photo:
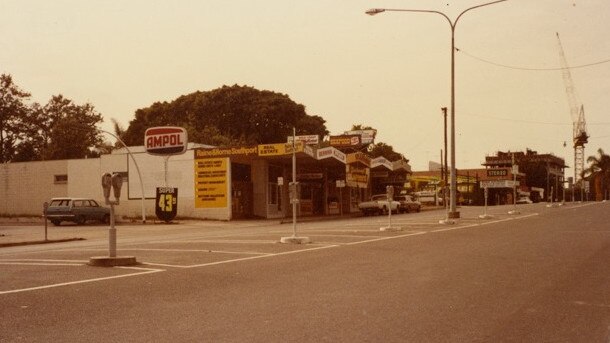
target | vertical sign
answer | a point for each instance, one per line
(211, 183)
(166, 204)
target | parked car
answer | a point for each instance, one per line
(77, 210)
(378, 204)
(407, 204)
(524, 200)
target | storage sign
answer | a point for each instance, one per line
(165, 140)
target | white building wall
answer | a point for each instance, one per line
(25, 186)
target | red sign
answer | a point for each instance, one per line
(165, 140)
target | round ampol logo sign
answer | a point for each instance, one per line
(165, 140)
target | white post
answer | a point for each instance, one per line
(112, 233)
(294, 198)
(294, 181)
(485, 215)
(515, 171)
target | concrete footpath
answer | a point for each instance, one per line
(27, 231)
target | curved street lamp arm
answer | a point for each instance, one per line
(380, 10)
(137, 169)
(471, 8)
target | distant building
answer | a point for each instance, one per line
(539, 171)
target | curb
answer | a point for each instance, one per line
(15, 244)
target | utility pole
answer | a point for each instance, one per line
(444, 109)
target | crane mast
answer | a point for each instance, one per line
(577, 113)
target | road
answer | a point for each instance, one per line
(538, 276)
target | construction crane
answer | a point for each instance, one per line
(577, 112)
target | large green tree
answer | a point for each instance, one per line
(385, 150)
(379, 148)
(229, 115)
(60, 129)
(13, 111)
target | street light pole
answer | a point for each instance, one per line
(452, 209)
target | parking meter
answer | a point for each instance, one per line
(106, 185)
(390, 192)
(117, 183)
(293, 189)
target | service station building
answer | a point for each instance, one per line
(222, 183)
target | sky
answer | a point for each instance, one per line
(390, 71)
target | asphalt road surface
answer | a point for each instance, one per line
(539, 276)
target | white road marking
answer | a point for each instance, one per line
(190, 250)
(41, 260)
(258, 256)
(387, 238)
(38, 264)
(144, 271)
(483, 223)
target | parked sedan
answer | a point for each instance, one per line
(407, 204)
(378, 204)
(77, 210)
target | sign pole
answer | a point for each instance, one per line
(485, 215)
(294, 181)
(515, 171)
(390, 197)
(294, 198)
(45, 207)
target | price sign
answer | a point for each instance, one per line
(166, 203)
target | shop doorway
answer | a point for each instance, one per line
(242, 191)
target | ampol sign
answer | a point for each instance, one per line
(165, 140)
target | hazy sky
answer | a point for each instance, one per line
(390, 71)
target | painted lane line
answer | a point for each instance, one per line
(235, 241)
(39, 264)
(388, 238)
(484, 223)
(348, 236)
(191, 250)
(41, 260)
(144, 271)
(261, 256)
(237, 259)
(164, 265)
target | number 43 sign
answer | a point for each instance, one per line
(167, 203)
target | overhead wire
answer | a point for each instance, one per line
(529, 68)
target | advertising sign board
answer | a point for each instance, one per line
(165, 140)
(166, 204)
(307, 139)
(345, 140)
(499, 184)
(211, 183)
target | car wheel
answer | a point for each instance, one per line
(80, 220)
(383, 211)
(56, 222)
(406, 209)
(106, 219)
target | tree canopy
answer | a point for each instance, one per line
(13, 112)
(599, 165)
(59, 129)
(379, 148)
(229, 115)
